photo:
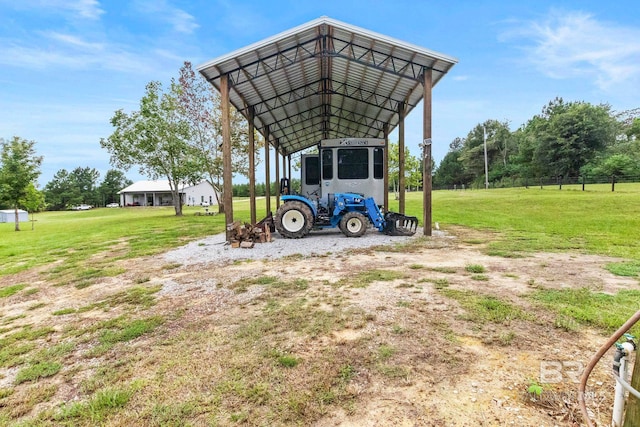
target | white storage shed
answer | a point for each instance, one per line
(9, 215)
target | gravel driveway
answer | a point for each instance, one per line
(214, 250)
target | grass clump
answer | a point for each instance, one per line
(64, 311)
(26, 334)
(446, 270)
(7, 291)
(243, 285)
(584, 306)
(120, 329)
(365, 278)
(37, 370)
(485, 308)
(385, 352)
(626, 269)
(288, 361)
(137, 297)
(127, 331)
(104, 403)
(12, 355)
(438, 283)
(475, 268)
(6, 392)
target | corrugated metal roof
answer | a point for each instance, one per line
(160, 186)
(326, 79)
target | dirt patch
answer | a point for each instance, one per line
(427, 363)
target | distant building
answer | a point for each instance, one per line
(158, 193)
(198, 194)
(9, 215)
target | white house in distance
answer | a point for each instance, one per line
(158, 193)
(9, 215)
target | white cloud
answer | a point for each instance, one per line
(75, 54)
(73, 41)
(180, 21)
(85, 9)
(89, 9)
(576, 44)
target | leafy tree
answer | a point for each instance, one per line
(156, 138)
(451, 171)
(114, 181)
(73, 188)
(200, 108)
(499, 145)
(413, 171)
(85, 183)
(634, 130)
(412, 167)
(59, 192)
(33, 202)
(19, 169)
(569, 135)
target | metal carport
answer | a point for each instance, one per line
(325, 79)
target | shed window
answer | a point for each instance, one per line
(353, 163)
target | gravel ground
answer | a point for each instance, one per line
(214, 250)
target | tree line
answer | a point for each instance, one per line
(80, 186)
(567, 139)
(20, 169)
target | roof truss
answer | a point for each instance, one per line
(325, 79)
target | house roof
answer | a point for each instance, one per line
(12, 211)
(326, 79)
(159, 186)
(147, 187)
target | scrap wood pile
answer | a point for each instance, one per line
(245, 235)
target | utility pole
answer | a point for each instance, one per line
(486, 167)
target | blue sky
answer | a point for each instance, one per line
(67, 65)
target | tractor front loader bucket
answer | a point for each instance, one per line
(400, 225)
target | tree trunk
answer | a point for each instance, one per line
(17, 219)
(177, 203)
(632, 414)
(218, 193)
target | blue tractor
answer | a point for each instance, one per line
(352, 213)
(342, 186)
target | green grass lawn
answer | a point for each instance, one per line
(75, 236)
(595, 221)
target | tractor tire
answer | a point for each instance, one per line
(294, 220)
(354, 224)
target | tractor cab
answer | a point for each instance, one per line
(342, 186)
(345, 165)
